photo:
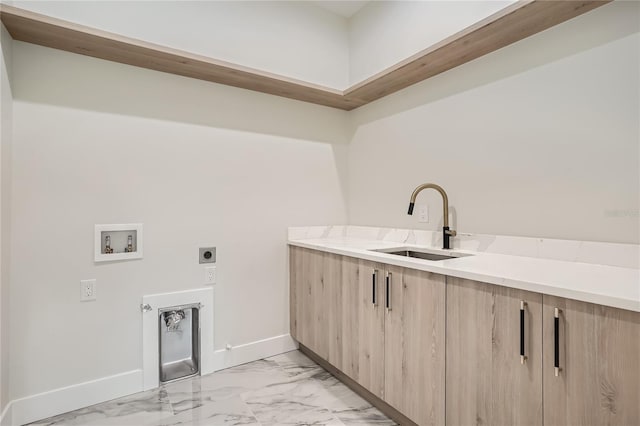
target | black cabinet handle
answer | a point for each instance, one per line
(556, 341)
(522, 355)
(388, 292)
(374, 282)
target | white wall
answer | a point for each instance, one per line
(198, 163)
(540, 138)
(6, 119)
(384, 33)
(294, 39)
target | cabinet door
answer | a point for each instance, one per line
(304, 279)
(316, 302)
(599, 356)
(487, 383)
(414, 344)
(329, 310)
(295, 290)
(363, 323)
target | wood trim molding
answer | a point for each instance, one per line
(509, 25)
(43, 30)
(513, 23)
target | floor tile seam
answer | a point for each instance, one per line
(212, 401)
(248, 408)
(294, 416)
(216, 413)
(244, 403)
(334, 417)
(240, 395)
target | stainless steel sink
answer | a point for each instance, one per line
(422, 254)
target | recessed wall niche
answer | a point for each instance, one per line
(118, 242)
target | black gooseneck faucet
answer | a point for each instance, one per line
(446, 232)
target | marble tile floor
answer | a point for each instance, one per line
(287, 389)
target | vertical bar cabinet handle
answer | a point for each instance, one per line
(523, 357)
(388, 291)
(556, 341)
(374, 282)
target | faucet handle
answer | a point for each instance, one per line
(451, 232)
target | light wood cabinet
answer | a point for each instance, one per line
(303, 278)
(414, 367)
(330, 315)
(392, 343)
(352, 295)
(424, 332)
(363, 323)
(487, 383)
(316, 299)
(599, 358)
(295, 291)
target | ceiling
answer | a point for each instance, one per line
(343, 8)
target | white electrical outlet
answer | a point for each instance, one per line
(423, 213)
(210, 275)
(87, 290)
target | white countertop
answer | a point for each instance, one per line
(605, 285)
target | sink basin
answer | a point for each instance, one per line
(422, 254)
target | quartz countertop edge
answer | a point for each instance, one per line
(600, 284)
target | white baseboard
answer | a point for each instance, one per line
(62, 400)
(74, 397)
(253, 351)
(6, 417)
